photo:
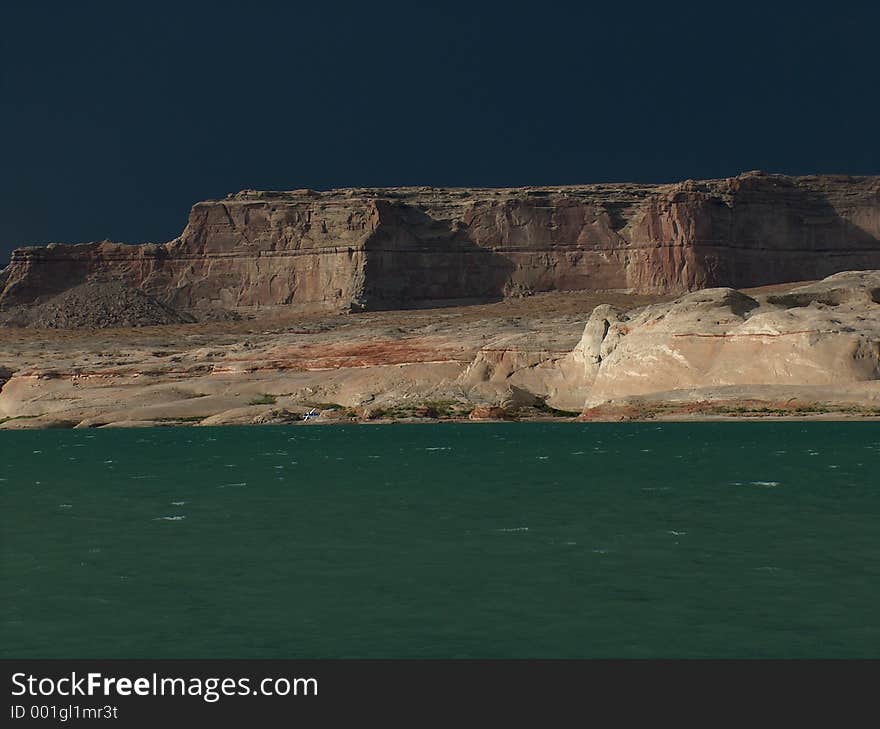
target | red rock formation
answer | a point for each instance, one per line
(401, 247)
(488, 412)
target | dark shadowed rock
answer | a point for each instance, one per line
(96, 305)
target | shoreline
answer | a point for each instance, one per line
(671, 418)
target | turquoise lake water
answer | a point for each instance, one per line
(448, 540)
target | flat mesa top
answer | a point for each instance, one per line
(441, 191)
(590, 189)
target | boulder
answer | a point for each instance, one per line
(488, 412)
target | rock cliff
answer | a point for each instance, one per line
(414, 247)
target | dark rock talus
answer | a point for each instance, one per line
(94, 305)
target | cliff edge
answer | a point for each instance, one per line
(355, 249)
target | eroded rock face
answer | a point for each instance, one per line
(411, 247)
(799, 349)
(823, 335)
(822, 338)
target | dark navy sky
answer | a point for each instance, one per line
(116, 117)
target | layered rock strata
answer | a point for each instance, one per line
(416, 247)
(800, 350)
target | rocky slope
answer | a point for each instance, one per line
(795, 350)
(412, 247)
(94, 305)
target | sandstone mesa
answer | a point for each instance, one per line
(403, 247)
